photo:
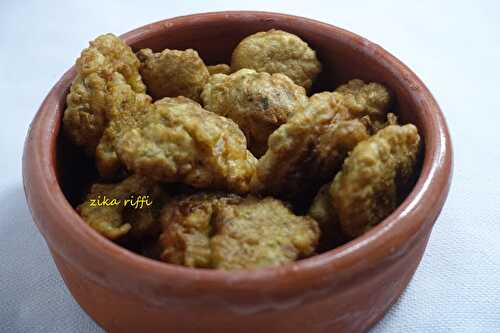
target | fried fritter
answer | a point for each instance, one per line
(366, 190)
(229, 232)
(322, 209)
(188, 225)
(258, 102)
(179, 141)
(173, 73)
(115, 221)
(371, 99)
(219, 69)
(309, 149)
(85, 115)
(277, 51)
(125, 108)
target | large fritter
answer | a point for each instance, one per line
(85, 117)
(173, 73)
(277, 51)
(179, 141)
(258, 102)
(366, 190)
(229, 232)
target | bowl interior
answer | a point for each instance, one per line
(344, 56)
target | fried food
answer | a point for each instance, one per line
(322, 209)
(277, 51)
(117, 220)
(85, 115)
(366, 190)
(230, 232)
(258, 102)
(173, 73)
(219, 69)
(188, 225)
(179, 141)
(309, 149)
(370, 99)
(125, 108)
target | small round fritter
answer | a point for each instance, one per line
(277, 51)
(179, 141)
(371, 99)
(219, 69)
(173, 73)
(258, 102)
(117, 220)
(125, 107)
(366, 190)
(85, 115)
(229, 232)
(309, 149)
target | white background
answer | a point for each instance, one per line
(453, 46)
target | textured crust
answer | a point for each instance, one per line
(229, 232)
(126, 107)
(173, 73)
(309, 149)
(116, 221)
(371, 99)
(365, 191)
(187, 227)
(258, 102)
(277, 51)
(219, 69)
(85, 116)
(179, 141)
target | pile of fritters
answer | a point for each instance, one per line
(243, 168)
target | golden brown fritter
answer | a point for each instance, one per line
(115, 221)
(125, 108)
(309, 149)
(179, 141)
(277, 51)
(371, 99)
(229, 232)
(258, 102)
(365, 191)
(219, 69)
(85, 115)
(173, 73)
(187, 227)
(261, 233)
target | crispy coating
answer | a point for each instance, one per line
(173, 73)
(371, 99)
(365, 191)
(258, 102)
(219, 69)
(309, 149)
(116, 221)
(277, 51)
(126, 107)
(187, 228)
(229, 232)
(85, 115)
(179, 141)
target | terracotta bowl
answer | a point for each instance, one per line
(346, 289)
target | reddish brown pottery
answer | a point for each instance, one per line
(346, 289)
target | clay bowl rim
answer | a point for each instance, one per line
(366, 252)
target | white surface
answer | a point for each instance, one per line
(454, 47)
